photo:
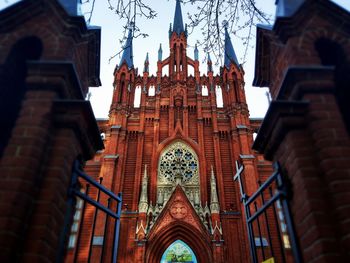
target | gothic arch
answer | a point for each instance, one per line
(178, 165)
(331, 53)
(12, 83)
(202, 169)
(308, 39)
(160, 241)
(171, 140)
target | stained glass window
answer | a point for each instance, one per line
(178, 159)
(178, 251)
(178, 165)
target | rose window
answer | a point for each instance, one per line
(178, 164)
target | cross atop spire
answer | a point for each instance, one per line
(127, 53)
(230, 55)
(178, 25)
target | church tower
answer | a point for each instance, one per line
(171, 142)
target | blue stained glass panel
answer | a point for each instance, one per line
(178, 252)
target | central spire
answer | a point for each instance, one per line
(178, 26)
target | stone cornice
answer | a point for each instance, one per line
(55, 75)
(299, 80)
(281, 117)
(78, 116)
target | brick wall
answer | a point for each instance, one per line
(304, 128)
(53, 127)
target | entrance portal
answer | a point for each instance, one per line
(178, 251)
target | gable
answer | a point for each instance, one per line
(177, 209)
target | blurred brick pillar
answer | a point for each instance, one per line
(50, 125)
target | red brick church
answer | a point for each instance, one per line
(171, 142)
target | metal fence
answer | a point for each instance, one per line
(270, 227)
(82, 188)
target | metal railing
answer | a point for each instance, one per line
(104, 212)
(270, 227)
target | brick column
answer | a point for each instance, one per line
(304, 131)
(50, 133)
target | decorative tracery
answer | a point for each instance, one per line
(178, 165)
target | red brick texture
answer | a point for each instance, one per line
(54, 127)
(304, 128)
(135, 137)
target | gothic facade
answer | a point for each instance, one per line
(171, 142)
(171, 155)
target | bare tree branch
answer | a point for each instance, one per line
(209, 16)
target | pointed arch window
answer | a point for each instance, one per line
(179, 251)
(122, 87)
(205, 90)
(219, 98)
(137, 97)
(178, 165)
(152, 91)
(165, 70)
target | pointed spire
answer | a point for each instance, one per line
(160, 53)
(146, 67)
(127, 53)
(178, 22)
(210, 65)
(209, 59)
(230, 55)
(214, 200)
(143, 204)
(195, 53)
(170, 30)
(286, 8)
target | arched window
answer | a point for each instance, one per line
(190, 71)
(205, 90)
(12, 83)
(122, 87)
(332, 53)
(219, 98)
(178, 251)
(151, 91)
(137, 97)
(178, 164)
(165, 70)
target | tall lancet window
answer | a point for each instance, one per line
(205, 90)
(178, 165)
(151, 91)
(137, 97)
(219, 98)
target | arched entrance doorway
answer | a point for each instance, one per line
(198, 242)
(178, 251)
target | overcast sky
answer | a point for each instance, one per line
(158, 33)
